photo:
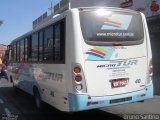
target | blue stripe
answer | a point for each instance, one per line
(94, 54)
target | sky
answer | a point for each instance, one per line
(18, 16)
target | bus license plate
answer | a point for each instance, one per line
(119, 82)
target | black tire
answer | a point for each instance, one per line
(11, 80)
(37, 98)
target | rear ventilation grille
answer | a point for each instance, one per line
(120, 100)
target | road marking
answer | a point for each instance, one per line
(1, 101)
(8, 113)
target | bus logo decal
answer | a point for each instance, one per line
(119, 64)
(115, 22)
(111, 21)
(98, 52)
(94, 54)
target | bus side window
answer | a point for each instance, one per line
(40, 46)
(29, 49)
(22, 50)
(14, 52)
(48, 44)
(59, 51)
(18, 51)
(26, 50)
(35, 47)
(62, 44)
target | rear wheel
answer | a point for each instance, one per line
(37, 98)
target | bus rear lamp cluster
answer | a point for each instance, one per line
(150, 69)
(78, 77)
(92, 103)
(150, 72)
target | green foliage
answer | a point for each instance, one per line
(1, 22)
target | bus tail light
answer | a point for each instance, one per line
(150, 72)
(78, 78)
(150, 68)
(77, 69)
(79, 83)
(79, 87)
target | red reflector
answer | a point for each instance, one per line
(89, 103)
(92, 103)
(65, 98)
(78, 78)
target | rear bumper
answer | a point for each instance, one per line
(82, 102)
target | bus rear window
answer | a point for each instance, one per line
(111, 26)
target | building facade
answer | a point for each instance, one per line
(2, 53)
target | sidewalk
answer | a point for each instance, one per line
(151, 106)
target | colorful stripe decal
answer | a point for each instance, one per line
(112, 22)
(96, 51)
(114, 19)
(94, 54)
(101, 50)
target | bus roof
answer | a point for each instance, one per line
(53, 19)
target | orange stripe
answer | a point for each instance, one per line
(100, 49)
(98, 52)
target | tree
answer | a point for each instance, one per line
(1, 22)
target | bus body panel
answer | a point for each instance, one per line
(129, 62)
(101, 75)
(106, 64)
(50, 82)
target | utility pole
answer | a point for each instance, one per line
(51, 8)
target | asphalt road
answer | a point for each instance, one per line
(20, 106)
